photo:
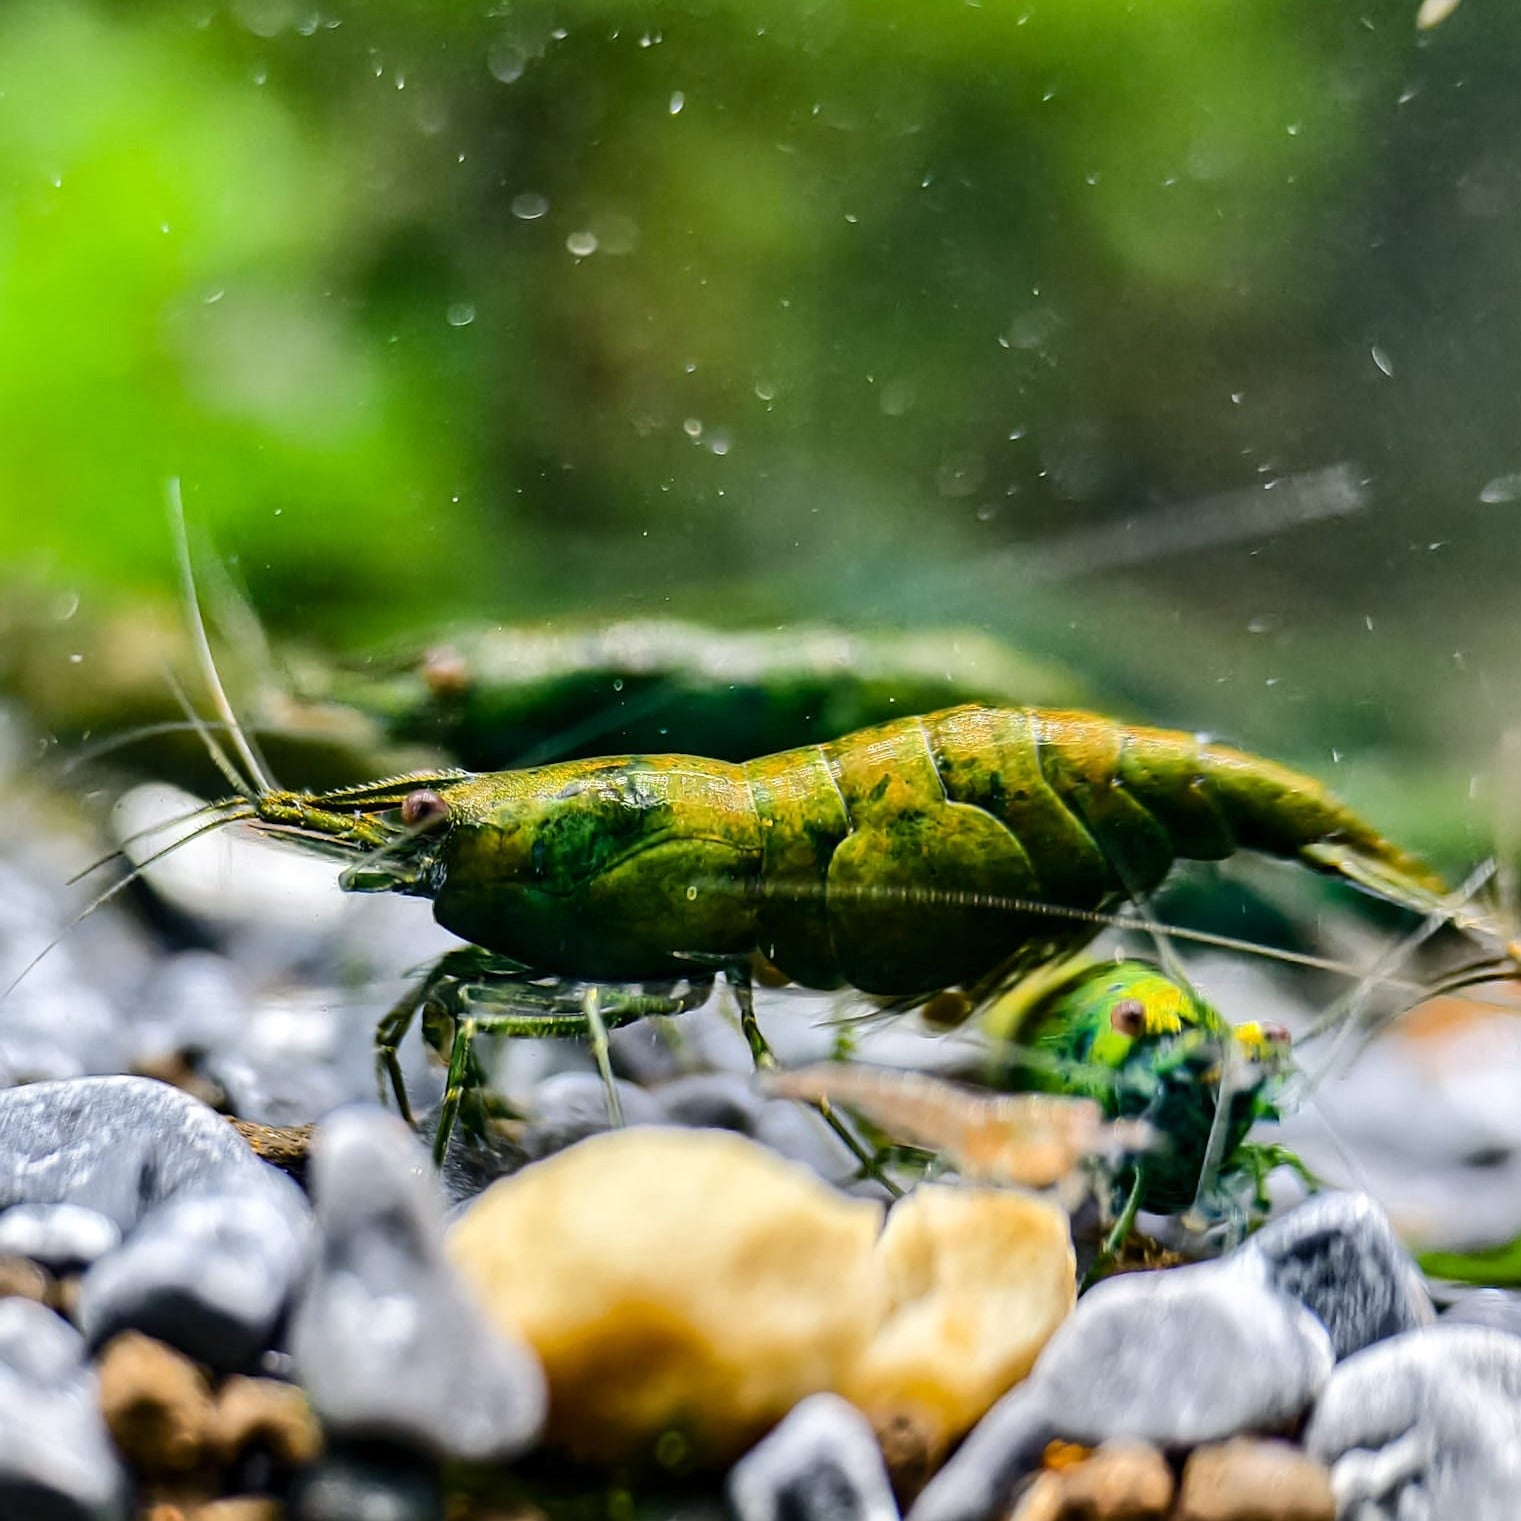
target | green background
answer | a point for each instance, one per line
(1046, 317)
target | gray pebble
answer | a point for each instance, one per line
(1499, 1309)
(1178, 1358)
(385, 1338)
(1233, 1356)
(712, 1100)
(56, 1460)
(118, 1145)
(57, 1235)
(1425, 1427)
(209, 1271)
(570, 1106)
(368, 1486)
(821, 1464)
(1337, 1254)
(192, 1002)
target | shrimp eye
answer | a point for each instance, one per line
(1128, 1017)
(423, 809)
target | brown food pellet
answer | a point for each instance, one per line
(157, 1406)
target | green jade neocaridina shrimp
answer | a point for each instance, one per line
(1146, 1046)
(953, 850)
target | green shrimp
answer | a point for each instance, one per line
(504, 696)
(1147, 1046)
(954, 850)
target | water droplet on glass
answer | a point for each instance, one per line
(65, 606)
(765, 390)
(460, 314)
(506, 60)
(582, 244)
(692, 427)
(898, 397)
(265, 18)
(617, 683)
(718, 441)
(529, 206)
(1504, 488)
(678, 100)
(961, 474)
(1381, 359)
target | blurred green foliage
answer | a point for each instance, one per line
(813, 310)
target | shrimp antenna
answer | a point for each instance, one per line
(213, 746)
(175, 821)
(203, 653)
(1014, 903)
(87, 754)
(105, 895)
(1345, 1013)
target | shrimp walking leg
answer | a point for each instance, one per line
(870, 1162)
(475, 992)
(1119, 1232)
(596, 1028)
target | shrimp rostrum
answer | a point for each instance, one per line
(954, 850)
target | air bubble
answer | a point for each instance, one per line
(506, 60)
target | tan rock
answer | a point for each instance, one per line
(693, 1281)
(239, 1508)
(156, 1404)
(1247, 1479)
(267, 1414)
(1042, 1500)
(22, 1278)
(1121, 1481)
(977, 1279)
(674, 1279)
